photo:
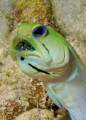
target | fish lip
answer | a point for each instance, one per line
(39, 70)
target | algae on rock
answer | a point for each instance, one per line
(70, 16)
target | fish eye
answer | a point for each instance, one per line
(24, 45)
(39, 31)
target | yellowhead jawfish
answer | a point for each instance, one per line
(43, 53)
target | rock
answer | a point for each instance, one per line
(5, 9)
(70, 16)
(36, 114)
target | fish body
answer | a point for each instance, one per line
(44, 54)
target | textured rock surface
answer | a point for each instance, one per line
(35, 114)
(5, 9)
(70, 16)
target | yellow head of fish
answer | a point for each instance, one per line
(40, 51)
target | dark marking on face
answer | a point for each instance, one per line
(22, 58)
(39, 70)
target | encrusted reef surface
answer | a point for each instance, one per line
(21, 97)
(70, 16)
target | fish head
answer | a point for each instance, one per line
(40, 51)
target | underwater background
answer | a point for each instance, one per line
(21, 97)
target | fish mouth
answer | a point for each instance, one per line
(39, 70)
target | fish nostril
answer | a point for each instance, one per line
(22, 58)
